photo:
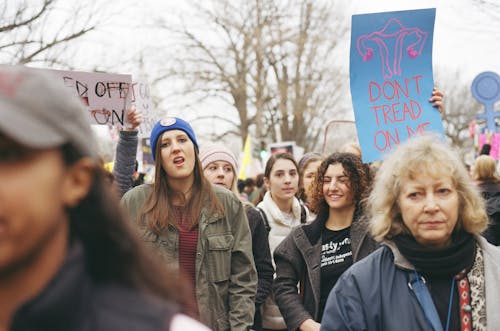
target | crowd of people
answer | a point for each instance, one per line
(321, 243)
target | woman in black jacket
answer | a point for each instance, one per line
(485, 175)
(316, 254)
(221, 168)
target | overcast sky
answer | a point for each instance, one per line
(466, 36)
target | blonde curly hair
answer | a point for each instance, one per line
(429, 155)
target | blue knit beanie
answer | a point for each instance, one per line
(168, 124)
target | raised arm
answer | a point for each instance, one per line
(126, 153)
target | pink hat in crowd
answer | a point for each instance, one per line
(212, 153)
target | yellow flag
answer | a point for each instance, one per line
(109, 166)
(247, 157)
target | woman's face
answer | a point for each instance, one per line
(337, 188)
(177, 154)
(310, 173)
(429, 208)
(283, 181)
(34, 194)
(220, 173)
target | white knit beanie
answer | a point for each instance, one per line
(212, 153)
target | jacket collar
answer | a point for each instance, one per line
(399, 260)
(58, 305)
(314, 229)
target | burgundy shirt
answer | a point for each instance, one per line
(188, 240)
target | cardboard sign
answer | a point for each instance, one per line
(391, 79)
(106, 96)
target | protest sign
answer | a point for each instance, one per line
(486, 89)
(282, 147)
(391, 79)
(141, 100)
(104, 95)
(147, 154)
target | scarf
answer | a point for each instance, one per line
(275, 214)
(449, 261)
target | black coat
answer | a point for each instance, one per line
(261, 254)
(298, 258)
(491, 193)
(262, 259)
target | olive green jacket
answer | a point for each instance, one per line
(226, 280)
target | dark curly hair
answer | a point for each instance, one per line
(359, 180)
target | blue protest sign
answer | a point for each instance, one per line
(486, 89)
(391, 79)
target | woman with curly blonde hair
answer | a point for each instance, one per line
(433, 270)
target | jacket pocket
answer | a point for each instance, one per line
(219, 256)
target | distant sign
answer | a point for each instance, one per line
(147, 155)
(391, 79)
(141, 100)
(282, 147)
(486, 89)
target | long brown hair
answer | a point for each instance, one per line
(157, 211)
(114, 251)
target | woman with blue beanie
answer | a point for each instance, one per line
(197, 227)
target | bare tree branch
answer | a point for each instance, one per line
(41, 33)
(28, 21)
(270, 58)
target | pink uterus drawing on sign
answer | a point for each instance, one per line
(390, 41)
